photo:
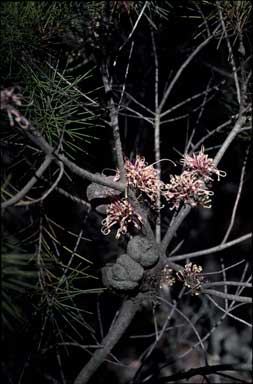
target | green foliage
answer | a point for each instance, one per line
(56, 107)
(26, 29)
(64, 108)
(236, 14)
(19, 278)
(63, 278)
(59, 110)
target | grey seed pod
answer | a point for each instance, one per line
(124, 275)
(110, 282)
(132, 268)
(142, 251)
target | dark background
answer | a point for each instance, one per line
(202, 229)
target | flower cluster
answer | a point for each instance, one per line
(120, 213)
(191, 277)
(191, 187)
(143, 177)
(8, 96)
(201, 165)
(8, 99)
(167, 279)
(187, 188)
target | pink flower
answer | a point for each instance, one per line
(187, 188)
(120, 213)
(191, 276)
(202, 165)
(9, 96)
(142, 177)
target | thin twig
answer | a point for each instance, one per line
(211, 133)
(100, 323)
(217, 248)
(207, 336)
(227, 312)
(50, 189)
(144, 336)
(125, 78)
(136, 115)
(237, 298)
(227, 268)
(35, 136)
(182, 68)
(76, 199)
(132, 98)
(13, 200)
(207, 370)
(231, 55)
(132, 31)
(186, 210)
(203, 105)
(237, 127)
(229, 229)
(172, 229)
(232, 283)
(157, 140)
(72, 85)
(150, 349)
(127, 312)
(191, 98)
(114, 123)
(191, 325)
(238, 196)
(66, 230)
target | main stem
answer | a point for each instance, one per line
(127, 312)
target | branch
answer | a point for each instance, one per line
(207, 336)
(96, 178)
(227, 311)
(229, 229)
(237, 127)
(126, 314)
(132, 98)
(76, 199)
(202, 107)
(123, 89)
(35, 136)
(50, 190)
(73, 86)
(183, 66)
(13, 200)
(237, 298)
(217, 248)
(176, 224)
(232, 59)
(232, 283)
(237, 199)
(191, 98)
(136, 113)
(186, 318)
(147, 353)
(114, 123)
(132, 32)
(205, 370)
(186, 210)
(157, 140)
(209, 134)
